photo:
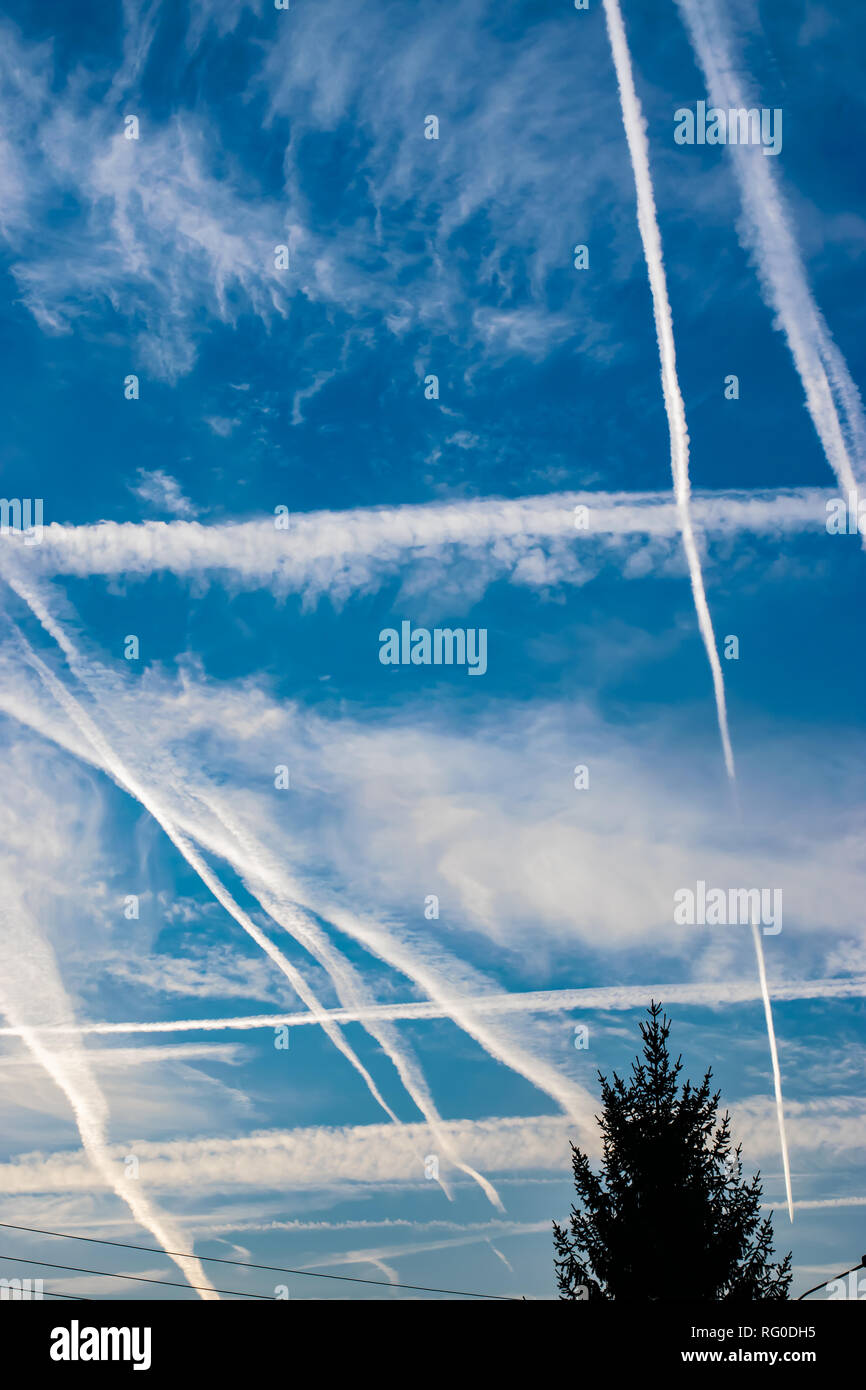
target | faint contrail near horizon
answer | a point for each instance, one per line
(635, 131)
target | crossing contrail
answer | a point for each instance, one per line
(437, 979)
(635, 131)
(124, 779)
(440, 977)
(290, 916)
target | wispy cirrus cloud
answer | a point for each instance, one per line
(170, 226)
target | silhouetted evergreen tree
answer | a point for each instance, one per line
(670, 1216)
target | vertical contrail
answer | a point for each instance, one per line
(774, 1057)
(635, 131)
(633, 121)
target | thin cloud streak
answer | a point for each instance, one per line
(358, 1157)
(111, 764)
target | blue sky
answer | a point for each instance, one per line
(304, 388)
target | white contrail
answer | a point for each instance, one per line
(633, 121)
(258, 871)
(360, 548)
(318, 1157)
(614, 997)
(109, 761)
(264, 878)
(635, 130)
(437, 983)
(767, 228)
(828, 1202)
(774, 1055)
(71, 1072)
(288, 916)
(393, 1252)
(270, 881)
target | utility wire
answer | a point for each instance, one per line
(138, 1278)
(247, 1264)
(832, 1280)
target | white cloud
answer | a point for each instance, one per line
(163, 492)
(171, 229)
(221, 425)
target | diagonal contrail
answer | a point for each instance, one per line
(635, 130)
(289, 915)
(823, 371)
(31, 984)
(438, 978)
(258, 871)
(124, 779)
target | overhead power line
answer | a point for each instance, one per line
(137, 1278)
(843, 1275)
(248, 1264)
